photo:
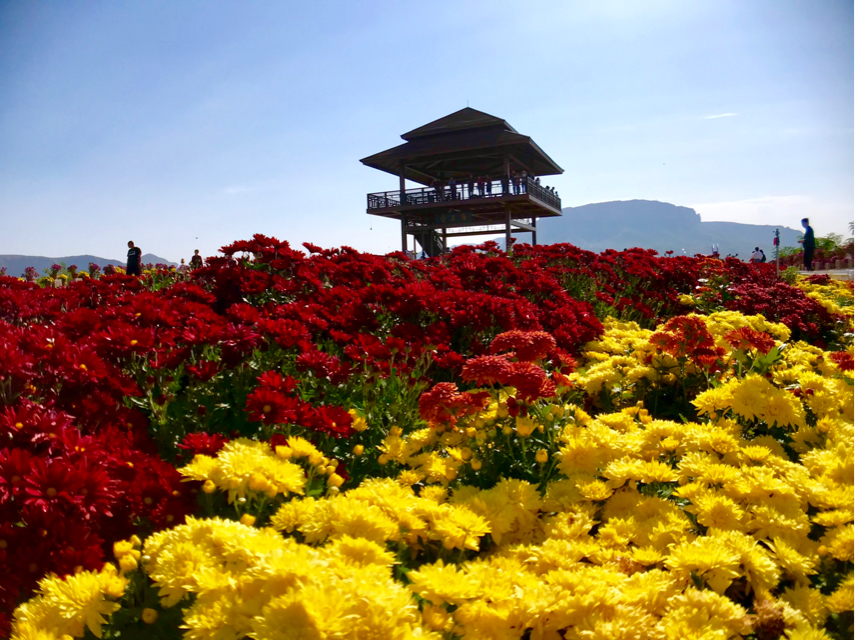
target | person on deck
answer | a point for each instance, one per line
(809, 244)
(134, 255)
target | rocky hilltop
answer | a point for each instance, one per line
(656, 225)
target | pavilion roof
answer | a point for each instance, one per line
(467, 118)
(467, 142)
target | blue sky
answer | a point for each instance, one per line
(187, 125)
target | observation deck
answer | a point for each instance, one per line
(483, 199)
(479, 177)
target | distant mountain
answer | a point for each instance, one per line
(15, 265)
(656, 225)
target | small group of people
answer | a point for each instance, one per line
(758, 255)
(808, 245)
(482, 187)
(134, 264)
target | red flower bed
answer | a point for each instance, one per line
(783, 303)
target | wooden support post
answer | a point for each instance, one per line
(507, 228)
(444, 239)
(403, 197)
(534, 232)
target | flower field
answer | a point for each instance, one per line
(329, 444)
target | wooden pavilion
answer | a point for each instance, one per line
(478, 175)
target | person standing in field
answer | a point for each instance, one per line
(196, 261)
(134, 256)
(809, 244)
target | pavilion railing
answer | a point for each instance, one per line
(465, 191)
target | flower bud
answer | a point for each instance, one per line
(127, 563)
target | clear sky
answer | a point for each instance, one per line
(185, 125)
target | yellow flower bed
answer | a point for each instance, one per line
(835, 296)
(734, 521)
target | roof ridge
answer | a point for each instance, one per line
(466, 118)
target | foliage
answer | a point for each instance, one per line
(551, 444)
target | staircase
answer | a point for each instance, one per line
(430, 241)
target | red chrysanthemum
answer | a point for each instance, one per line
(444, 403)
(487, 370)
(321, 364)
(204, 370)
(747, 338)
(274, 381)
(530, 381)
(528, 346)
(271, 407)
(438, 404)
(52, 484)
(682, 335)
(14, 465)
(328, 419)
(201, 443)
(843, 359)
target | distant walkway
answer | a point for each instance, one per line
(836, 274)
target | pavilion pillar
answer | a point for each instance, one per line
(534, 232)
(507, 228)
(444, 239)
(402, 168)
